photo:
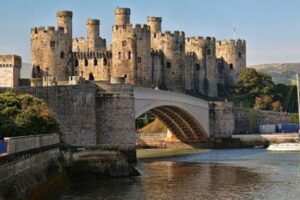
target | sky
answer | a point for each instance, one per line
(271, 27)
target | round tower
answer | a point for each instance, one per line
(122, 16)
(64, 19)
(154, 23)
(93, 34)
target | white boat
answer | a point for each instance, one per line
(284, 147)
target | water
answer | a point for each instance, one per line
(217, 174)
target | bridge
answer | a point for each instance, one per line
(185, 116)
(97, 115)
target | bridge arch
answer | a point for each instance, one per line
(185, 116)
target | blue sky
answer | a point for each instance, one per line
(271, 27)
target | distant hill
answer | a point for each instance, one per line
(281, 72)
(26, 70)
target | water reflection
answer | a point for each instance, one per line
(257, 175)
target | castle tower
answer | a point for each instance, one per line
(93, 34)
(122, 16)
(64, 19)
(10, 67)
(205, 67)
(173, 47)
(233, 53)
(51, 49)
(154, 23)
(131, 51)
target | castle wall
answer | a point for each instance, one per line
(92, 65)
(10, 67)
(157, 68)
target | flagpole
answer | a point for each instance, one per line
(298, 95)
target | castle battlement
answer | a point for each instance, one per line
(64, 13)
(239, 43)
(50, 29)
(10, 61)
(142, 27)
(92, 55)
(93, 22)
(200, 40)
(176, 35)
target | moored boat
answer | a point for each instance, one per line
(284, 147)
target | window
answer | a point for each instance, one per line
(129, 55)
(76, 63)
(139, 59)
(208, 52)
(105, 61)
(91, 77)
(240, 54)
(119, 55)
(154, 35)
(95, 62)
(125, 76)
(124, 43)
(52, 44)
(62, 55)
(230, 66)
(181, 47)
(86, 62)
(168, 65)
(197, 66)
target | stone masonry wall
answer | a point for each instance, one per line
(74, 109)
(115, 121)
(243, 117)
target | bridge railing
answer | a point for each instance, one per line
(152, 135)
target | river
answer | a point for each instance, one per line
(210, 175)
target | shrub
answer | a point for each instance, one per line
(24, 114)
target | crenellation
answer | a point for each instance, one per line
(140, 54)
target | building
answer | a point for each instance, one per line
(10, 67)
(143, 55)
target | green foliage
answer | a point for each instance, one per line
(257, 90)
(294, 118)
(23, 114)
(144, 120)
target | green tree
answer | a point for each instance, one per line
(23, 114)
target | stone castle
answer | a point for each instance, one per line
(142, 55)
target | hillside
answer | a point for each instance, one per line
(280, 72)
(26, 70)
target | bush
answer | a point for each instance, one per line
(23, 114)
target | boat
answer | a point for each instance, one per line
(284, 147)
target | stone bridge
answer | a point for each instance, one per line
(185, 116)
(99, 115)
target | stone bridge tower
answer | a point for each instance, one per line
(51, 49)
(233, 55)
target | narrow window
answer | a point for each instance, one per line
(105, 61)
(181, 47)
(154, 35)
(95, 62)
(119, 55)
(230, 66)
(91, 77)
(129, 55)
(139, 59)
(197, 66)
(240, 54)
(168, 65)
(125, 76)
(86, 62)
(62, 55)
(124, 43)
(76, 63)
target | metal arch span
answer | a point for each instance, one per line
(186, 116)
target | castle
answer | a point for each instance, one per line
(142, 55)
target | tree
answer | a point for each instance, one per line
(23, 114)
(252, 84)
